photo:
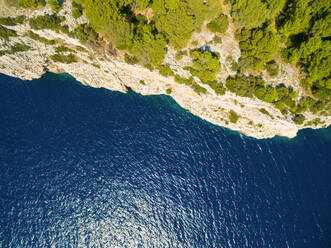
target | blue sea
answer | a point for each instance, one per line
(85, 167)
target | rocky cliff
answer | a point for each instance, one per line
(100, 67)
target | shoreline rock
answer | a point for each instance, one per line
(106, 71)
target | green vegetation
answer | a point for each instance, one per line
(205, 65)
(61, 58)
(5, 33)
(253, 13)
(147, 47)
(85, 32)
(52, 22)
(81, 49)
(191, 82)
(233, 116)
(233, 64)
(130, 59)
(18, 47)
(315, 122)
(168, 91)
(142, 82)
(293, 31)
(55, 5)
(219, 24)
(272, 68)
(165, 70)
(217, 40)
(62, 49)
(96, 65)
(179, 55)
(172, 23)
(258, 46)
(107, 17)
(217, 87)
(31, 4)
(264, 111)
(246, 86)
(299, 119)
(35, 36)
(9, 21)
(297, 30)
(281, 97)
(45, 22)
(77, 10)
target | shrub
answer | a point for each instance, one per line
(205, 65)
(85, 32)
(9, 21)
(149, 67)
(131, 60)
(77, 10)
(5, 33)
(315, 122)
(272, 68)
(219, 24)
(270, 95)
(18, 47)
(81, 49)
(217, 40)
(299, 119)
(249, 13)
(168, 91)
(233, 116)
(178, 79)
(62, 49)
(30, 4)
(35, 36)
(179, 55)
(165, 70)
(246, 86)
(217, 87)
(258, 46)
(213, 26)
(264, 111)
(198, 89)
(147, 46)
(110, 19)
(190, 82)
(55, 5)
(45, 22)
(20, 19)
(96, 65)
(61, 58)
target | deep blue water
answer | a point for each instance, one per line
(83, 167)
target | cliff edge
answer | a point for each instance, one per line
(100, 65)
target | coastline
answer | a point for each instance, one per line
(69, 77)
(102, 69)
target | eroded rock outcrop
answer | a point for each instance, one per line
(102, 69)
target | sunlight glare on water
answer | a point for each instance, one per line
(83, 167)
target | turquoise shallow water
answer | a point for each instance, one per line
(83, 167)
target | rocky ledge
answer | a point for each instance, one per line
(102, 68)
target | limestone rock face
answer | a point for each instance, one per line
(97, 70)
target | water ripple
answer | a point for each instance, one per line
(84, 167)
